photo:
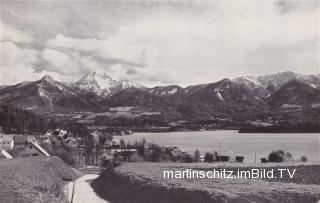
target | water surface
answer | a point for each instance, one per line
(250, 145)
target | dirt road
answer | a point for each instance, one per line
(80, 191)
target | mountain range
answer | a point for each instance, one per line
(98, 91)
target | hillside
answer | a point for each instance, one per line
(38, 95)
(294, 93)
(34, 179)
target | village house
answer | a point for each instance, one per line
(125, 154)
(21, 140)
(6, 142)
(32, 149)
(120, 109)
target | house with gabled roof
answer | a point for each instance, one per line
(21, 140)
(32, 148)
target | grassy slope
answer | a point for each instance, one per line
(142, 182)
(34, 179)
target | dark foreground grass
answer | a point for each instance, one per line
(118, 188)
(34, 179)
(143, 182)
(304, 174)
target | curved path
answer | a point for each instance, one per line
(80, 191)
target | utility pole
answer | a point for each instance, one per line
(219, 152)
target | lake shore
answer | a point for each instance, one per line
(231, 143)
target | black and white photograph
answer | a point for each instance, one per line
(145, 101)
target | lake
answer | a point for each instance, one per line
(231, 142)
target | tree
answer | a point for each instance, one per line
(141, 148)
(156, 152)
(102, 140)
(89, 145)
(215, 155)
(187, 158)
(208, 157)
(122, 143)
(196, 156)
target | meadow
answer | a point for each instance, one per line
(144, 182)
(34, 179)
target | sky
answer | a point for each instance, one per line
(157, 43)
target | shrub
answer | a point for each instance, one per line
(187, 158)
(303, 159)
(276, 156)
(287, 157)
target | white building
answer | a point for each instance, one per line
(6, 142)
(121, 109)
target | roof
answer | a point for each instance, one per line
(5, 154)
(23, 139)
(121, 108)
(20, 139)
(6, 137)
(124, 150)
(37, 146)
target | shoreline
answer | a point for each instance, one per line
(219, 130)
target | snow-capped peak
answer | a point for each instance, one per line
(247, 80)
(47, 78)
(97, 82)
(128, 84)
(103, 84)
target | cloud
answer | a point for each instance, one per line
(72, 64)
(132, 71)
(288, 6)
(16, 63)
(112, 61)
(8, 33)
(148, 76)
(295, 57)
(55, 57)
(111, 51)
(165, 42)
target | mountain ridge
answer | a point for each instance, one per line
(241, 94)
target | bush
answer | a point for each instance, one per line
(288, 157)
(304, 159)
(186, 158)
(276, 156)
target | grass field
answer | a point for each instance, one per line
(144, 182)
(34, 179)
